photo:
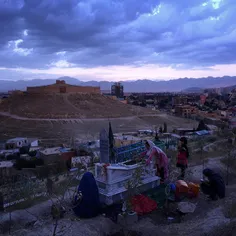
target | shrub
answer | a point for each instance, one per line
(230, 210)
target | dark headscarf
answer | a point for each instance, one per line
(90, 204)
(184, 140)
(208, 172)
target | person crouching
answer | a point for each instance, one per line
(213, 185)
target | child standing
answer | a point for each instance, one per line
(183, 154)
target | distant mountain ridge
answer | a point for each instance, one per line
(193, 90)
(144, 85)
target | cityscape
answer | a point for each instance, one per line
(41, 162)
(117, 118)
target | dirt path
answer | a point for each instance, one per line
(66, 119)
(169, 119)
(7, 114)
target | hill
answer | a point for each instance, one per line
(193, 90)
(61, 131)
(145, 85)
(66, 106)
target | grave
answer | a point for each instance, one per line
(112, 174)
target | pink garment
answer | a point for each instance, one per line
(160, 158)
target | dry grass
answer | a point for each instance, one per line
(197, 156)
(230, 209)
(27, 204)
(231, 161)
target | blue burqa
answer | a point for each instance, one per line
(89, 206)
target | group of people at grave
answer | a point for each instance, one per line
(87, 204)
(212, 184)
(160, 160)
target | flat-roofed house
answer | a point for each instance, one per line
(19, 142)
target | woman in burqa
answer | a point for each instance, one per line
(159, 158)
(87, 203)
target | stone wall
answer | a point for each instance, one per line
(62, 87)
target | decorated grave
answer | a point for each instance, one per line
(117, 166)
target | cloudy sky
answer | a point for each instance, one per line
(117, 39)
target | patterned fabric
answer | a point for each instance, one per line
(160, 158)
(78, 197)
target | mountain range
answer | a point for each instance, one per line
(145, 85)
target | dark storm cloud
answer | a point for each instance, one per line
(105, 32)
(10, 20)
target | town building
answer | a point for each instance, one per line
(203, 98)
(61, 87)
(15, 92)
(223, 113)
(232, 111)
(3, 96)
(117, 90)
(179, 100)
(186, 111)
(56, 155)
(19, 142)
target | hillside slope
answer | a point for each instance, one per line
(58, 106)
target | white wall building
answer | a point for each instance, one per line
(16, 143)
(21, 142)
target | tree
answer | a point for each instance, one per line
(202, 126)
(161, 130)
(234, 136)
(135, 103)
(132, 187)
(165, 128)
(156, 134)
(24, 149)
(111, 144)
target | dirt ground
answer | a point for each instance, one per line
(57, 131)
(68, 106)
(210, 218)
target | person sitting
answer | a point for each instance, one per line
(213, 185)
(160, 159)
(86, 202)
